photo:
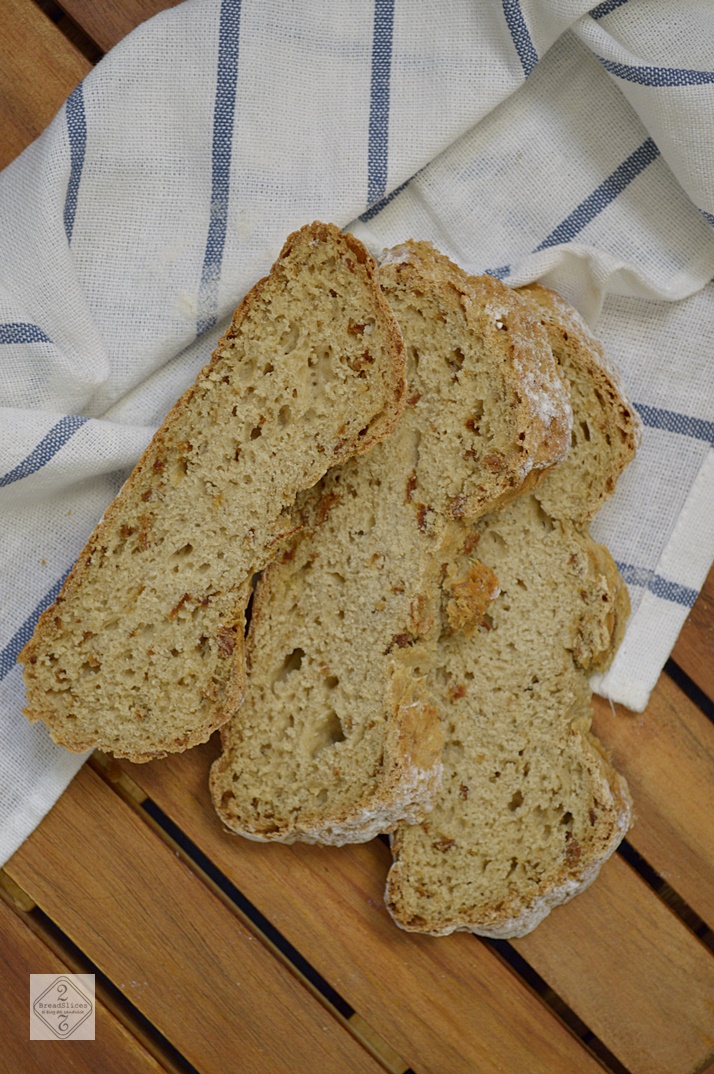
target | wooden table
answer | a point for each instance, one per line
(217, 955)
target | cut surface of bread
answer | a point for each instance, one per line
(530, 806)
(142, 653)
(338, 739)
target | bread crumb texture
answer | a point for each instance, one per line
(339, 737)
(142, 653)
(530, 805)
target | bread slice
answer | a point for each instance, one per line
(530, 806)
(142, 653)
(338, 739)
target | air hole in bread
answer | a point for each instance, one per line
(545, 520)
(284, 415)
(516, 801)
(330, 733)
(179, 469)
(184, 550)
(456, 358)
(292, 662)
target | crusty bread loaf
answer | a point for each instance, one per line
(338, 739)
(530, 805)
(142, 653)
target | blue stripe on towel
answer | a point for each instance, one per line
(605, 8)
(500, 273)
(9, 655)
(378, 148)
(18, 332)
(77, 134)
(657, 77)
(521, 37)
(594, 204)
(603, 195)
(655, 584)
(383, 203)
(221, 154)
(672, 422)
(48, 446)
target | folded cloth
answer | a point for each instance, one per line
(529, 140)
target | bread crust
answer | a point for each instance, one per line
(149, 482)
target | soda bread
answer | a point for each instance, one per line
(142, 653)
(338, 739)
(530, 806)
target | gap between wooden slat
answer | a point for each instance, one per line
(567, 1016)
(71, 30)
(77, 962)
(279, 946)
(248, 914)
(668, 895)
(687, 685)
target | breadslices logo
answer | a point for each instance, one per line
(62, 1007)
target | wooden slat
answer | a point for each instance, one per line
(694, 651)
(447, 1006)
(667, 755)
(166, 941)
(622, 961)
(107, 21)
(39, 69)
(113, 1051)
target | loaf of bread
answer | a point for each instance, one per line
(338, 739)
(142, 653)
(530, 805)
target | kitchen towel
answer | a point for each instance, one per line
(540, 139)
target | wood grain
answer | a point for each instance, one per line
(107, 21)
(622, 961)
(39, 69)
(667, 755)
(171, 946)
(694, 651)
(113, 1051)
(445, 1005)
